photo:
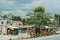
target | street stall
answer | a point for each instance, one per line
(41, 31)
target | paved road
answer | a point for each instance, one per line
(53, 37)
(7, 37)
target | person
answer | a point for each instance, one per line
(37, 31)
(45, 32)
(30, 31)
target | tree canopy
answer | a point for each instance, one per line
(57, 20)
(10, 16)
(16, 18)
(38, 16)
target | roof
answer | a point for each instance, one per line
(26, 26)
(18, 22)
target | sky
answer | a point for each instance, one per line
(22, 7)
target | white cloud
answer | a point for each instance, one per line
(16, 12)
(19, 12)
(31, 5)
(50, 5)
(7, 2)
(5, 12)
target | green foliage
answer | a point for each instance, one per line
(7, 16)
(57, 16)
(10, 16)
(24, 21)
(38, 17)
(16, 18)
(57, 20)
(39, 9)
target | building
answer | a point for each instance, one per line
(9, 26)
(19, 23)
(3, 26)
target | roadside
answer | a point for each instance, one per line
(20, 37)
(51, 37)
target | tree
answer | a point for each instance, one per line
(7, 16)
(1, 15)
(16, 18)
(57, 20)
(39, 9)
(38, 17)
(24, 21)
